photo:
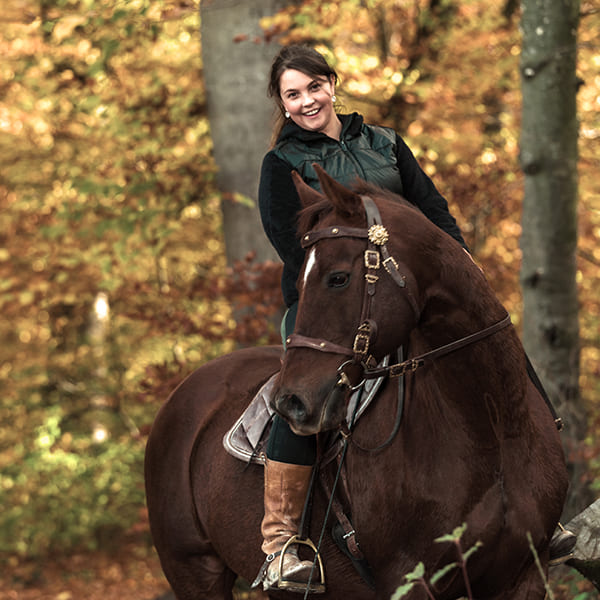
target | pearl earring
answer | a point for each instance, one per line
(333, 98)
(287, 114)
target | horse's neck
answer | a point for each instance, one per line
(484, 377)
(459, 302)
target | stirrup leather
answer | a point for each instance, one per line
(295, 586)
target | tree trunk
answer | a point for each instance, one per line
(586, 554)
(549, 238)
(236, 62)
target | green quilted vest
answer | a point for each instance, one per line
(367, 152)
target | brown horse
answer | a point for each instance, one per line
(477, 443)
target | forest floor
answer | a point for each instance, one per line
(134, 572)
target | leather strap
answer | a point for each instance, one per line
(412, 364)
(349, 531)
(389, 264)
(295, 340)
(312, 237)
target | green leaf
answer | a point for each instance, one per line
(118, 14)
(439, 574)
(458, 531)
(53, 231)
(89, 103)
(466, 555)
(96, 68)
(109, 47)
(243, 200)
(454, 536)
(402, 591)
(417, 573)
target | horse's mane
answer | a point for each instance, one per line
(428, 247)
(309, 215)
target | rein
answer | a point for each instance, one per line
(412, 364)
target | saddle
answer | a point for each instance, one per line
(247, 439)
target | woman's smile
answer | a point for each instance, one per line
(312, 113)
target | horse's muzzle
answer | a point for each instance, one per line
(292, 408)
(307, 417)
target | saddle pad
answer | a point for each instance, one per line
(243, 440)
(246, 439)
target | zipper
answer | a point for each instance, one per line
(349, 153)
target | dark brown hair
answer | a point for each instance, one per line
(302, 58)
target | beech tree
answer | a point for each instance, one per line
(236, 61)
(549, 239)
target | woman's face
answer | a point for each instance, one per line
(308, 100)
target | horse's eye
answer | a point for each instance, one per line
(338, 280)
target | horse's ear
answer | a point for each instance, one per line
(343, 199)
(308, 195)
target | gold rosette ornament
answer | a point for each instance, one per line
(378, 235)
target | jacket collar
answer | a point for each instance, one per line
(351, 126)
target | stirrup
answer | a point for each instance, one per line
(296, 586)
(286, 584)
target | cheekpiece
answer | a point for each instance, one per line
(378, 235)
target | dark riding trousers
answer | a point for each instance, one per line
(284, 445)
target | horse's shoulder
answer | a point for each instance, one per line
(257, 358)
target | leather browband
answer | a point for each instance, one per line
(312, 237)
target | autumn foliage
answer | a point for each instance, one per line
(113, 282)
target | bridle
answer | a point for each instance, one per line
(376, 256)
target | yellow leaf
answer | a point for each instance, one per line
(65, 26)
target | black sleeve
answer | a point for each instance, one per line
(420, 190)
(279, 205)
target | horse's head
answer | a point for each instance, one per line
(358, 297)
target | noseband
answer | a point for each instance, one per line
(376, 255)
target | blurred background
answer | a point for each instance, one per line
(130, 251)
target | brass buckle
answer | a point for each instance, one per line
(361, 340)
(410, 366)
(372, 259)
(361, 344)
(296, 586)
(390, 259)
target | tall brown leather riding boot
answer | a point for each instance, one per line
(286, 488)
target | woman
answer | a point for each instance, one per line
(310, 131)
(303, 86)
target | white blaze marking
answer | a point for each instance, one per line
(310, 263)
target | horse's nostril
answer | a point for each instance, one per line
(292, 407)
